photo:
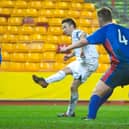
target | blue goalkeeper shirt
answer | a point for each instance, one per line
(115, 39)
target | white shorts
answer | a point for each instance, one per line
(83, 71)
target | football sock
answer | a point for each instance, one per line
(95, 102)
(105, 97)
(94, 106)
(56, 77)
(72, 105)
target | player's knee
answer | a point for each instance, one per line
(72, 88)
(97, 91)
(100, 92)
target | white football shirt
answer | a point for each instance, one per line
(89, 51)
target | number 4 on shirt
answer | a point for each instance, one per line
(122, 38)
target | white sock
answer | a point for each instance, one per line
(72, 105)
(56, 77)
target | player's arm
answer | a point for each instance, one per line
(80, 43)
(68, 56)
(98, 37)
(71, 54)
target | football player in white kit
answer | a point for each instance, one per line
(85, 64)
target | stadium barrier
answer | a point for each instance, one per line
(20, 86)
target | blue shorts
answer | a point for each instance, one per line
(117, 75)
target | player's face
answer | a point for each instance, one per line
(67, 29)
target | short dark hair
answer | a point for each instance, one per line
(105, 13)
(70, 21)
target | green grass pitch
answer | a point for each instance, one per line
(44, 117)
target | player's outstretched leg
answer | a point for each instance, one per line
(40, 81)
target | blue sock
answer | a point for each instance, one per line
(94, 106)
(95, 102)
(105, 97)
